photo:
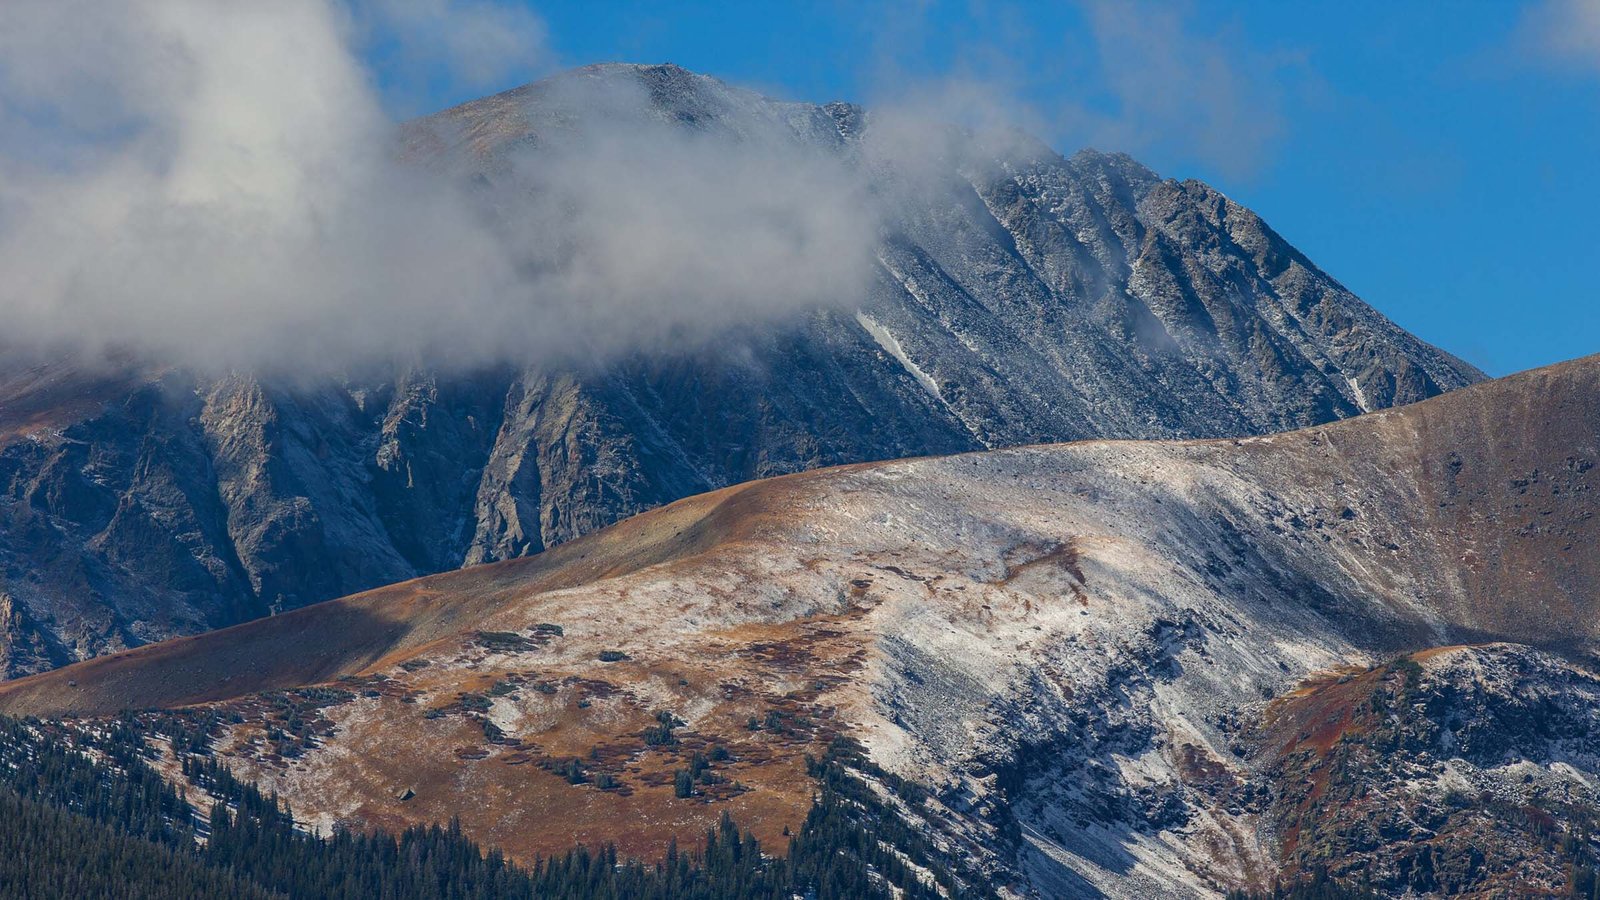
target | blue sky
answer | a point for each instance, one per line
(1438, 158)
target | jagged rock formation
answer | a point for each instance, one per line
(1459, 771)
(1126, 669)
(1020, 297)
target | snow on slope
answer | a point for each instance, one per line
(1064, 643)
(1030, 297)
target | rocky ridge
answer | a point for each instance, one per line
(1125, 669)
(1457, 771)
(1019, 297)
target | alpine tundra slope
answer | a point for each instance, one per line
(1130, 669)
(1014, 296)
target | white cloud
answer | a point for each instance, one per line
(1142, 77)
(475, 45)
(214, 182)
(1180, 89)
(1565, 32)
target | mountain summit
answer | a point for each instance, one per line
(1015, 296)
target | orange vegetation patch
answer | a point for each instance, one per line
(540, 757)
(377, 629)
(1304, 727)
(458, 696)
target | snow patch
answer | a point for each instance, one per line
(892, 347)
(1361, 396)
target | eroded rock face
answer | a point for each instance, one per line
(1125, 669)
(1023, 297)
(1456, 771)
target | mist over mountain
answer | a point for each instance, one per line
(1006, 295)
(631, 484)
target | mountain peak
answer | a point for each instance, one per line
(1005, 296)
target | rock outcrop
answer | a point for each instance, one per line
(1019, 297)
(1125, 669)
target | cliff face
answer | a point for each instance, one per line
(1455, 771)
(1019, 297)
(1125, 669)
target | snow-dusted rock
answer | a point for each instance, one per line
(1018, 296)
(1114, 666)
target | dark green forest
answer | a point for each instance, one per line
(87, 816)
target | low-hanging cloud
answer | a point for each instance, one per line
(1153, 79)
(221, 183)
(221, 187)
(1179, 89)
(475, 45)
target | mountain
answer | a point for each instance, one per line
(1363, 651)
(1018, 297)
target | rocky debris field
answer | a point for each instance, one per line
(1110, 668)
(1018, 296)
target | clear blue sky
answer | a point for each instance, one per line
(1438, 158)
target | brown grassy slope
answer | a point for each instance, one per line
(1499, 488)
(384, 626)
(1495, 479)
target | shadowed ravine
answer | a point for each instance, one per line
(1018, 296)
(1073, 645)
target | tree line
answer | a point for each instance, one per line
(87, 815)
